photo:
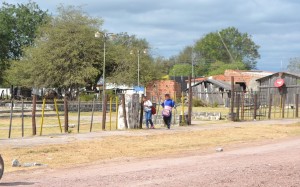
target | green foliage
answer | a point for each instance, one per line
(240, 47)
(18, 28)
(87, 97)
(219, 67)
(199, 103)
(126, 56)
(65, 53)
(181, 70)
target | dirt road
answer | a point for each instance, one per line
(272, 164)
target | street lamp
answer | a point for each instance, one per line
(105, 36)
(138, 55)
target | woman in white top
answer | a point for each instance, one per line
(148, 113)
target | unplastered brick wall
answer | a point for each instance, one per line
(159, 88)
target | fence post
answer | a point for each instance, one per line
(117, 110)
(190, 101)
(78, 125)
(297, 105)
(238, 107)
(104, 103)
(124, 111)
(110, 111)
(33, 115)
(22, 117)
(270, 106)
(92, 117)
(11, 116)
(243, 106)
(232, 99)
(141, 112)
(66, 114)
(255, 106)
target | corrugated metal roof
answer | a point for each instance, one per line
(221, 84)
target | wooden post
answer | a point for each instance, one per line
(22, 117)
(78, 120)
(11, 116)
(104, 104)
(141, 112)
(124, 111)
(243, 106)
(33, 115)
(190, 101)
(117, 110)
(297, 105)
(238, 107)
(110, 111)
(43, 111)
(182, 110)
(57, 113)
(283, 104)
(175, 111)
(255, 106)
(66, 114)
(232, 99)
(270, 106)
(92, 117)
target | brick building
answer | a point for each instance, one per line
(157, 89)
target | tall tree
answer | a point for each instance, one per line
(18, 28)
(228, 46)
(294, 65)
(65, 53)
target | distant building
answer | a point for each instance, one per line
(157, 89)
(281, 84)
(217, 89)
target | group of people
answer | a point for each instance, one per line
(167, 105)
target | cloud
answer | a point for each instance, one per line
(169, 26)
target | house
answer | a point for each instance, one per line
(281, 84)
(216, 89)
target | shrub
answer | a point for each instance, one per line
(199, 103)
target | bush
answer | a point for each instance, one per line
(87, 97)
(199, 103)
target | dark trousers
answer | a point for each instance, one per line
(167, 121)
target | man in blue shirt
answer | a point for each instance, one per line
(167, 105)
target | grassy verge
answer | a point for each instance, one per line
(154, 145)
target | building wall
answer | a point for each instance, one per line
(157, 89)
(289, 89)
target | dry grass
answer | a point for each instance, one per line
(160, 144)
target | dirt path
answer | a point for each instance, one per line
(274, 164)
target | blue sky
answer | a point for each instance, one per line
(170, 25)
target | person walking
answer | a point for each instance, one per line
(148, 112)
(167, 105)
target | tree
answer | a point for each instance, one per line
(219, 67)
(228, 46)
(294, 65)
(181, 70)
(65, 54)
(124, 67)
(18, 26)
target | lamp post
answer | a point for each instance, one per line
(105, 36)
(138, 69)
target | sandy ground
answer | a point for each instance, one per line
(268, 164)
